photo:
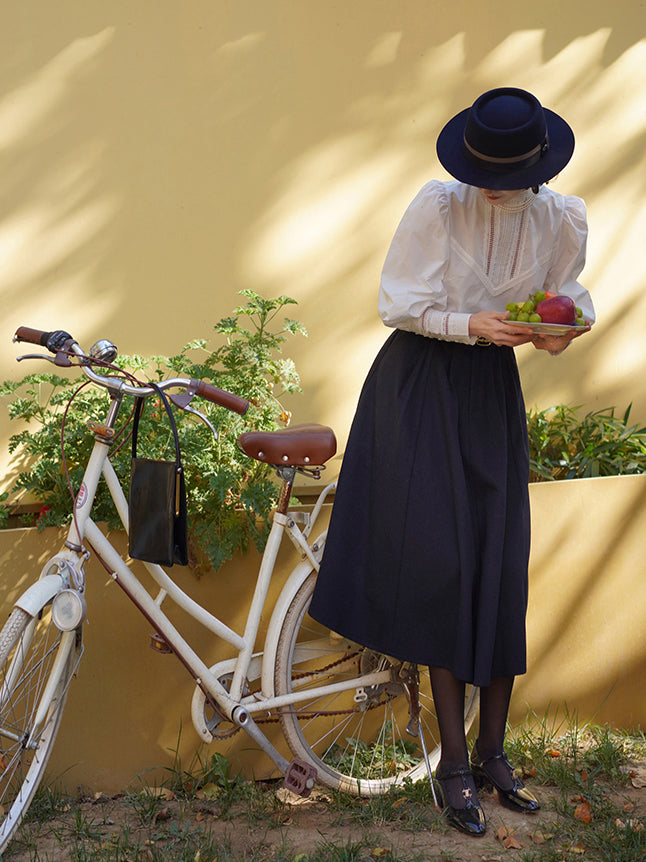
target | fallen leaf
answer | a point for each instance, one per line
(159, 792)
(379, 852)
(578, 848)
(553, 752)
(162, 814)
(628, 807)
(632, 824)
(637, 775)
(583, 812)
(512, 843)
(209, 791)
(100, 797)
(507, 838)
(501, 833)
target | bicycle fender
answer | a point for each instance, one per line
(39, 594)
(287, 594)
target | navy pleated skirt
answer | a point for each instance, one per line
(427, 553)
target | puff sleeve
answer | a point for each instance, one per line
(412, 295)
(569, 257)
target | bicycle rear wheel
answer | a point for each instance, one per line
(36, 664)
(357, 738)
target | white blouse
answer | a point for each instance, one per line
(455, 254)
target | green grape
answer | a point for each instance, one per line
(539, 296)
(523, 316)
(535, 318)
(511, 306)
(529, 306)
(513, 315)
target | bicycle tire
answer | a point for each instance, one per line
(29, 647)
(357, 746)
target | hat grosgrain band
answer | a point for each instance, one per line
(529, 158)
(505, 140)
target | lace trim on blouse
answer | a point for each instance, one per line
(504, 237)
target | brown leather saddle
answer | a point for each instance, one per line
(308, 445)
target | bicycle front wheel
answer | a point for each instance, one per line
(361, 739)
(36, 664)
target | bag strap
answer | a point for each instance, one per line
(171, 418)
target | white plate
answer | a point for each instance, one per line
(546, 328)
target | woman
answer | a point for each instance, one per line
(433, 568)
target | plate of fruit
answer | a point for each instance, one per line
(547, 313)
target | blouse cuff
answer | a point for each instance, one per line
(447, 325)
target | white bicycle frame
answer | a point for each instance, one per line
(65, 570)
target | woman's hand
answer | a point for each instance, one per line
(491, 325)
(555, 344)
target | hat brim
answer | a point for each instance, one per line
(454, 157)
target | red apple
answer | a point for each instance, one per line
(557, 309)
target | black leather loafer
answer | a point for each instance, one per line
(516, 797)
(470, 819)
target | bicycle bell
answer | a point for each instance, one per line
(103, 350)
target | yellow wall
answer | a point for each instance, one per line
(129, 707)
(157, 157)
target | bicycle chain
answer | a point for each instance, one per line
(303, 715)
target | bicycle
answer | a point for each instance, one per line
(354, 719)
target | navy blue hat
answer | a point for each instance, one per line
(505, 140)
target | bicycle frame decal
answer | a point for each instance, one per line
(81, 497)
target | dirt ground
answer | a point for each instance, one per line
(292, 829)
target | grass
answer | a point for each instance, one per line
(203, 813)
(591, 768)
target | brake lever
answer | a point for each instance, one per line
(181, 402)
(62, 360)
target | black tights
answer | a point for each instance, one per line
(448, 695)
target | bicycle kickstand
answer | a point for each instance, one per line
(410, 680)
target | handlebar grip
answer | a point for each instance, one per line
(221, 397)
(53, 341)
(33, 336)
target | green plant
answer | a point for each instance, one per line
(229, 495)
(564, 446)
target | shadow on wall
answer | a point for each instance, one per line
(157, 159)
(587, 610)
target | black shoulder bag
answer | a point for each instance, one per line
(157, 503)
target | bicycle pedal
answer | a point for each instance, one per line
(159, 644)
(300, 778)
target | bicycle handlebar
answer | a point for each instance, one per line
(60, 340)
(34, 336)
(53, 341)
